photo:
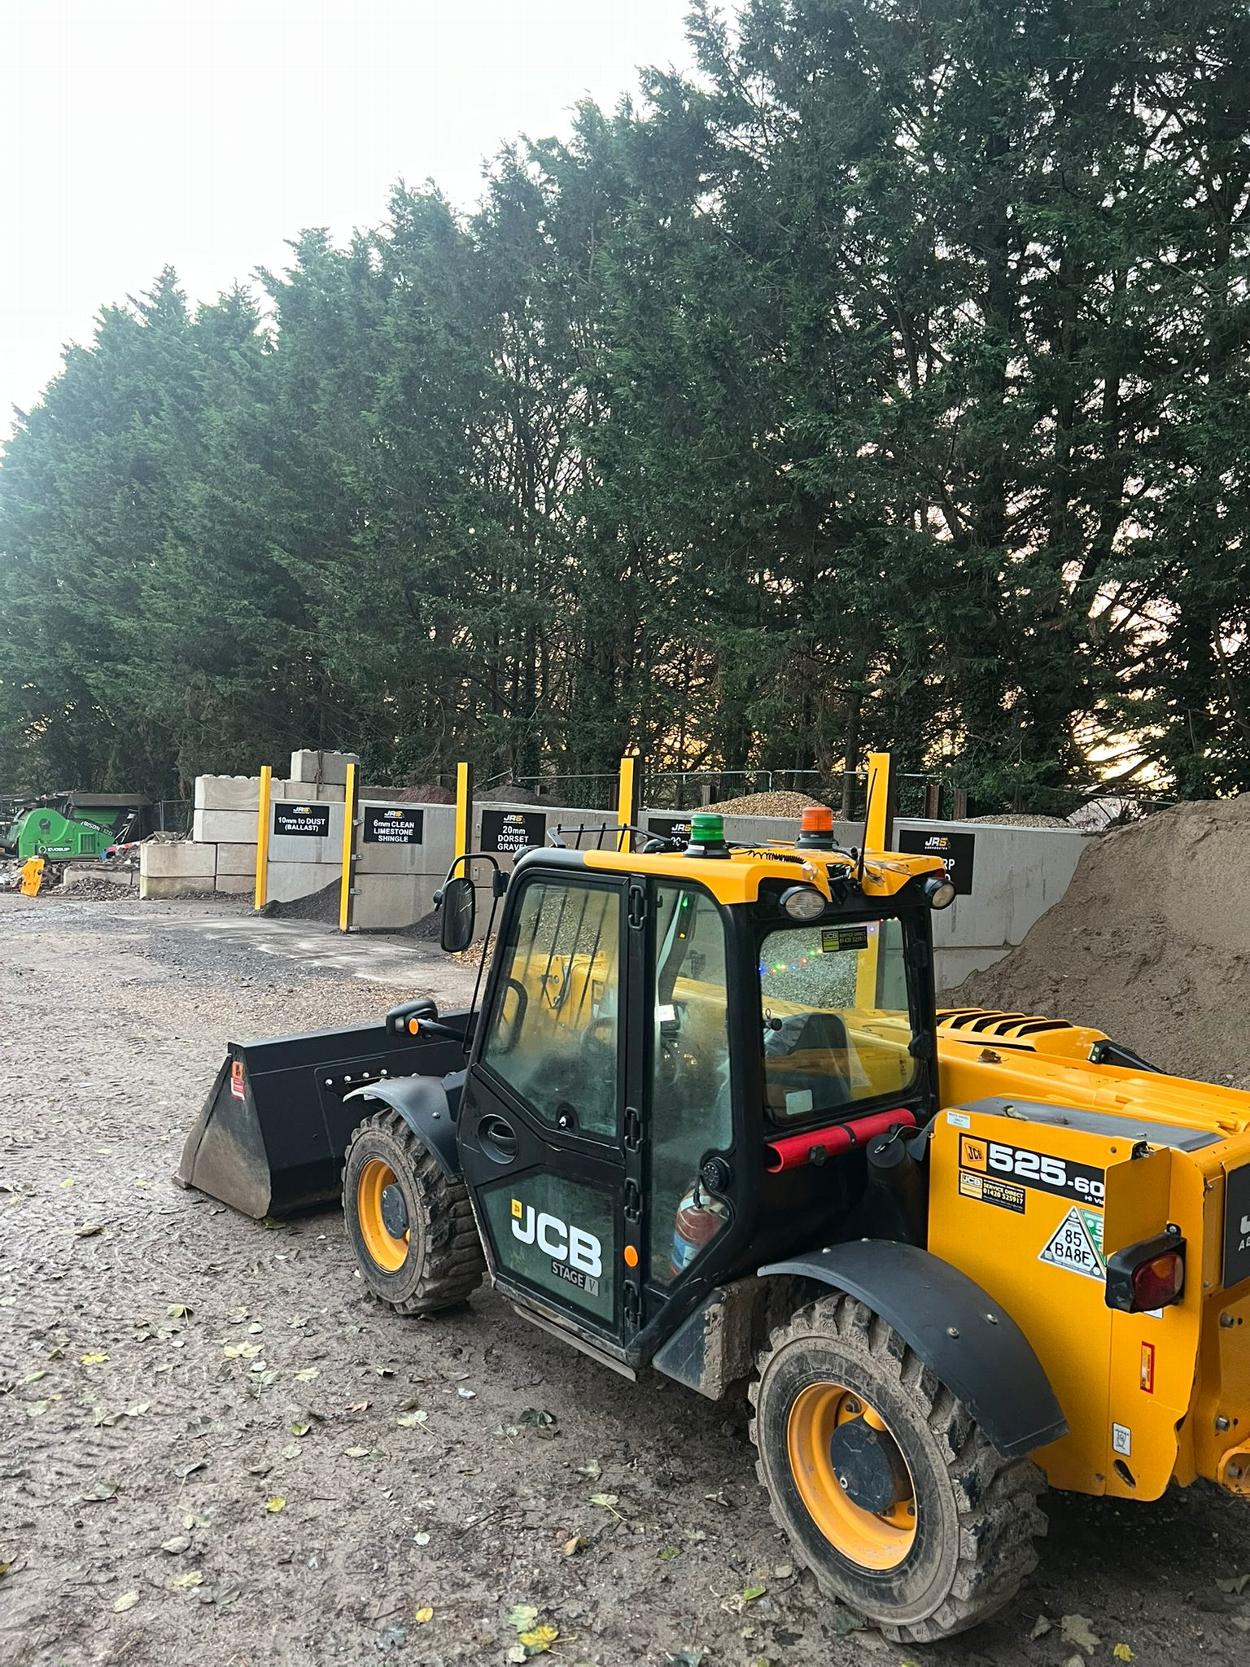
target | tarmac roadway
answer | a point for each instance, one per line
(215, 1447)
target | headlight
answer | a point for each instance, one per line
(940, 891)
(803, 903)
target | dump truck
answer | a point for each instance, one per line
(706, 1120)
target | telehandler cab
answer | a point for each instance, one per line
(707, 1120)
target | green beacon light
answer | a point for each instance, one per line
(707, 835)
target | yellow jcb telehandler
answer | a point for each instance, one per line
(706, 1120)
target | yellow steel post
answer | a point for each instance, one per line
(261, 894)
(464, 809)
(349, 849)
(627, 806)
(879, 826)
(878, 831)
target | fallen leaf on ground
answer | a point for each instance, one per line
(1041, 1626)
(94, 1357)
(193, 1577)
(99, 1492)
(292, 1450)
(36, 1409)
(358, 1406)
(592, 1471)
(1236, 1585)
(539, 1639)
(178, 1543)
(1076, 1629)
(666, 1553)
(34, 1377)
(574, 1545)
(408, 1420)
(1122, 1652)
(125, 1602)
(466, 1394)
(424, 1614)
(275, 1502)
(89, 1229)
(300, 1429)
(307, 1373)
(242, 1351)
(193, 1519)
(538, 1418)
(421, 1539)
(607, 1500)
(177, 1311)
(68, 1181)
(522, 1616)
(190, 1469)
(356, 1452)
(751, 1593)
(234, 1315)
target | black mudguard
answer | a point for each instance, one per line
(964, 1337)
(428, 1105)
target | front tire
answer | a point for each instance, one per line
(410, 1226)
(884, 1483)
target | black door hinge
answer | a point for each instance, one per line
(633, 1304)
(637, 906)
(633, 1129)
(633, 1201)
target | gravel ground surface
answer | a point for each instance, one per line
(215, 1448)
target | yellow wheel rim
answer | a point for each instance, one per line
(386, 1250)
(873, 1542)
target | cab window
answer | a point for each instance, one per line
(836, 1026)
(553, 1032)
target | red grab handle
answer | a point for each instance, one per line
(797, 1149)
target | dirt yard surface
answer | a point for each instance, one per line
(216, 1449)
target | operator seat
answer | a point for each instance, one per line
(806, 1054)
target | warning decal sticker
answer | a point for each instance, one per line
(1073, 1245)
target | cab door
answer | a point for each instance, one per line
(548, 1148)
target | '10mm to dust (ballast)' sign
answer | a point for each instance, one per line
(304, 821)
(510, 831)
(393, 825)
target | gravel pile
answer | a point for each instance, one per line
(1020, 819)
(320, 905)
(763, 804)
(1148, 943)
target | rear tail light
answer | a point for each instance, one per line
(1147, 1275)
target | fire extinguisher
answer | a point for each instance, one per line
(699, 1219)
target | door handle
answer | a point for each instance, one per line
(497, 1138)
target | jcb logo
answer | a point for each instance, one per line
(971, 1152)
(557, 1239)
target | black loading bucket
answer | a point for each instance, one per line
(273, 1132)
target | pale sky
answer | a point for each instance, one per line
(203, 133)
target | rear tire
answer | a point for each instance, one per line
(956, 1538)
(410, 1226)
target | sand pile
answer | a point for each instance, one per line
(1151, 943)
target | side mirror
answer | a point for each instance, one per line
(459, 915)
